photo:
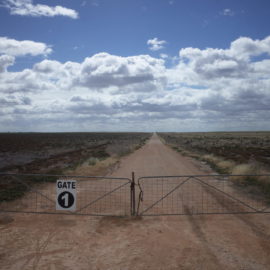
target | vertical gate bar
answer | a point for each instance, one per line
(132, 193)
(131, 199)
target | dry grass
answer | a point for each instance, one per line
(251, 175)
(229, 156)
(102, 167)
(245, 169)
(226, 165)
(211, 158)
(244, 174)
(248, 175)
(218, 163)
(185, 152)
(239, 147)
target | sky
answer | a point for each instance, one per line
(126, 65)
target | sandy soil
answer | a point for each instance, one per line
(30, 241)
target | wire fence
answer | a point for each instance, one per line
(33, 193)
(156, 195)
(205, 194)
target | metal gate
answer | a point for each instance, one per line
(96, 196)
(156, 195)
(198, 194)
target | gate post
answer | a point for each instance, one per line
(132, 195)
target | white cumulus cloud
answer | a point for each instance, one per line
(103, 70)
(206, 89)
(217, 63)
(25, 47)
(155, 44)
(27, 8)
(5, 61)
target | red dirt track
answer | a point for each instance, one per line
(32, 241)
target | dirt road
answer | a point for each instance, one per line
(178, 242)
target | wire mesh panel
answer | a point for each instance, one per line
(207, 194)
(37, 194)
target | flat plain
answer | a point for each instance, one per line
(232, 241)
(236, 146)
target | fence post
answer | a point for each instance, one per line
(132, 195)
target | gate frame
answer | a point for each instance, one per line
(133, 210)
(65, 177)
(197, 178)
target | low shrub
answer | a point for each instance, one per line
(218, 164)
(226, 166)
(93, 161)
(244, 174)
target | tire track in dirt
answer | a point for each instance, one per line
(196, 228)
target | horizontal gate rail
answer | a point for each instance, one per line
(62, 176)
(36, 193)
(198, 194)
(113, 196)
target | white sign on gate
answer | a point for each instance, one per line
(66, 195)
